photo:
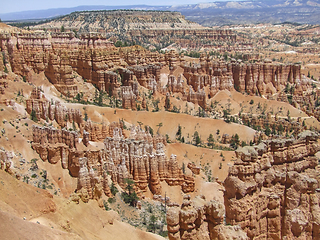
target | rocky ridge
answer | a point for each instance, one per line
(142, 27)
(63, 57)
(272, 191)
(124, 73)
(200, 219)
(139, 157)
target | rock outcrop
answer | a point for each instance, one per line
(271, 192)
(6, 161)
(143, 159)
(200, 219)
(121, 72)
(64, 56)
(128, 98)
(140, 157)
(44, 109)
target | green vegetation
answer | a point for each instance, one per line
(193, 54)
(234, 143)
(113, 189)
(210, 140)
(130, 197)
(159, 126)
(105, 204)
(33, 116)
(196, 138)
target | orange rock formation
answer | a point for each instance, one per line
(200, 219)
(272, 190)
(136, 158)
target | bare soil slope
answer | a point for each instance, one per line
(32, 213)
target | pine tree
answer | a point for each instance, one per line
(196, 138)
(210, 140)
(33, 116)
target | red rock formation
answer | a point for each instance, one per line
(270, 191)
(58, 55)
(6, 161)
(175, 84)
(194, 169)
(133, 158)
(200, 219)
(253, 78)
(128, 98)
(52, 111)
(199, 98)
(62, 57)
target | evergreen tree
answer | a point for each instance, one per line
(178, 134)
(267, 131)
(196, 138)
(130, 196)
(159, 126)
(113, 189)
(234, 143)
(33, 116)
(210, 140)
(100, 98)
(152, 224)
(167, 104)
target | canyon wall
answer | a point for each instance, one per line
(272, 191)
(41, 108)
(118, 71)
(256, 78)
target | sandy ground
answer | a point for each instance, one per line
(32, 213)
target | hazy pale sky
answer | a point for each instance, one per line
(7, 6)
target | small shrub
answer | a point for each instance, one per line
(111, 200)
(105, 204)
(113, 189)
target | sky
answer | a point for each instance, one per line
(8, 6)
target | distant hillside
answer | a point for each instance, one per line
(119, 22)
(209, 14)
(157, 29)
(56, 12)
(260, 11)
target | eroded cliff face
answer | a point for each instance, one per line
(272, 190)
(140, 157)
(63, 57)
(257, 78)
(200, 219)
(46, 110)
